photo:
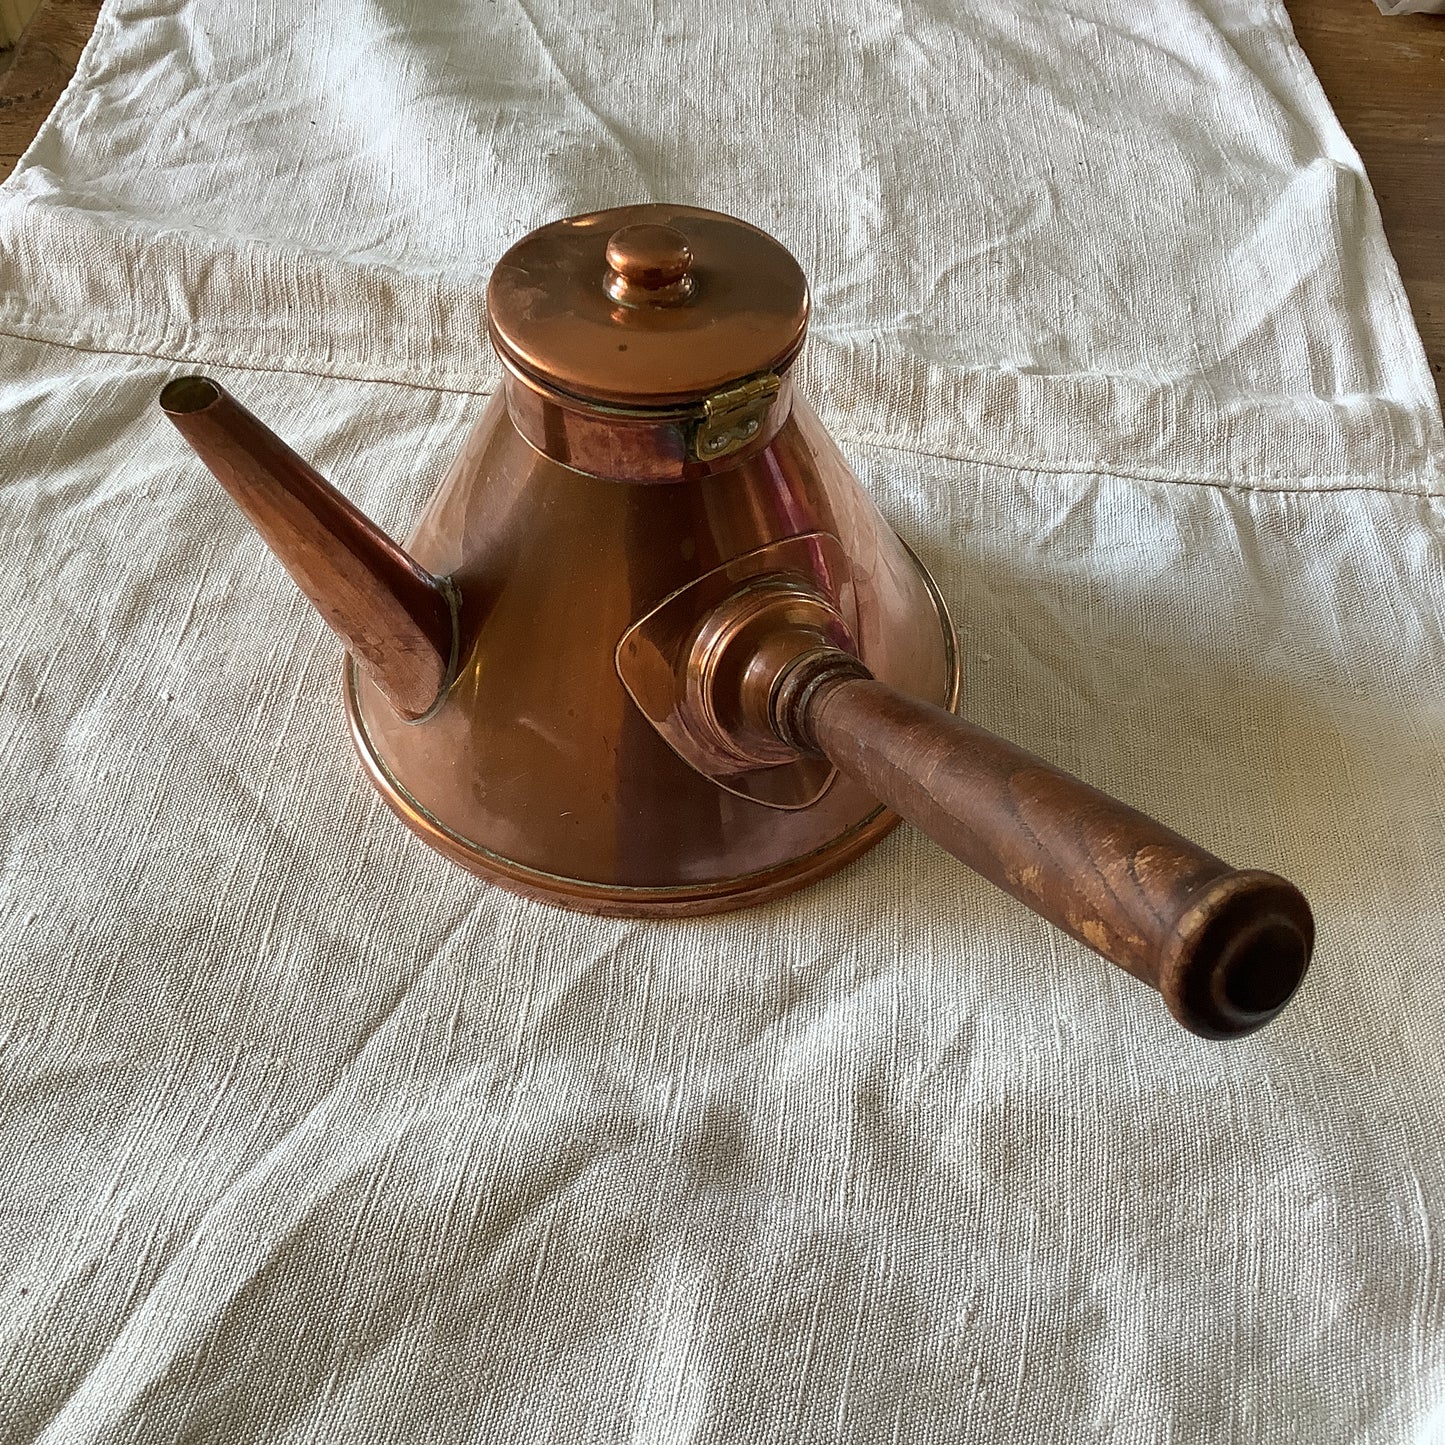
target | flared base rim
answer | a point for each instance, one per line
(683, 900)
(614, 901)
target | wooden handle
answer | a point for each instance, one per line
(1226, 948)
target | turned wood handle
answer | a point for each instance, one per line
(1225, 947)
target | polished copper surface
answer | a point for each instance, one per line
(689, 664)
(538, 767)
(394, 616)
(550, 313)
(649, 265)
(652, 445)
(693, 900)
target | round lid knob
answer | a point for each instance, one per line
(651, 306)
(648, 266)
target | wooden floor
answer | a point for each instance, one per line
(1384, 76)
(33, 74)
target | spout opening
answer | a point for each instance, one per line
(188, 394)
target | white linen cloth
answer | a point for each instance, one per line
(310, 1136)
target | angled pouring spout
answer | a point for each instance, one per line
(396, 619)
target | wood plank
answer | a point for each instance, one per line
(37, 69)
(1385, 77)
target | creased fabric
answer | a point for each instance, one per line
(309, 1136)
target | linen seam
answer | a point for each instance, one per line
(1052, 468)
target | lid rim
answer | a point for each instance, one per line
(551, 319)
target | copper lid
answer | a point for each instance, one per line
(647, 306)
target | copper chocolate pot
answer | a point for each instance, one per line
(651, 649)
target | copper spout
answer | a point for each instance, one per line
(394, 616)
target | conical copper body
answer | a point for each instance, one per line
(538, 769)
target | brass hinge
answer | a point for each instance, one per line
(731, 419)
